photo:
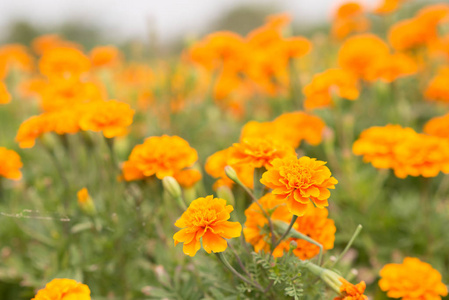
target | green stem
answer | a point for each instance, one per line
(286, 232)
(348, 246)
(225, 262)
(258, 187)
(296, 234)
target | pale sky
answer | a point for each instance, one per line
(130, 18)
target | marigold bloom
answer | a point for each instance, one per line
(10, 164)
(64, 63)
(5, 97)
(105, 56)
(30, 130)
(388, 6)
(438, 126)
(258, 152)
(349, 18)
(161, 156)
(47, 42)
(392, 67)
(187, 178)
(206, 219)
(16, 56)
(298, 126)
(320, 90)
(63, 289)
(299, 181)
(111, 117)
(410, 34)
(438, 89)
(314, 224)
(413, 279)
(360, 53)
(351, 292)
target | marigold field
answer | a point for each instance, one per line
(260, 166)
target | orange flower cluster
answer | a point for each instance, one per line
(206, 219)
(261, 143)
(351, 292)
(261, 59)
(299, 181)
(438, 89)
(420, 30)
(332, 82)
(349, 18)
(388, 6)
(438, 126)
(413, 279)
(403, 150)
(63, 289)
(160, 156)
(10, 164)
(314, 224)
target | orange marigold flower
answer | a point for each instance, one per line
(299, 181)
(105, 56)
(438, 89)
(111, 117)
(206, 219)
(438, 126)
(5, 96)
(314, 224)
(187, 178)
(421, 155)
(320, 90)
(349, 18)
(413, 279)
(30, 130)
(63, 289)
(10, 164)
(351, 292)
(392, 67)
(215, 167)
(47, 42)
(409, 34)
(360, 53)
(16, 56)
(64, 63)
(161, 156)
(377, 144)
(65, 121)
(388, 6)
(258, 152)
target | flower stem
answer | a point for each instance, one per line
(354, 236)
(287, 231)
(225, 262)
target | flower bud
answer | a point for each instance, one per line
(232, 174)
(172, 187)
(85, 202)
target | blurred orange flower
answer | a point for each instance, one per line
(15, 56)
(111, 117)
(5, 96)
(161, 156)
(258, 152)
(438, 126)
(206, 219)
(390, 68)
(63, 289)
(320, 90)
(188, 177)
(388, 6)
(30, 130)
(10, 164)
(349, 18)
(47, 42)
(64, 63)
(359, 54)
(438, 89)
(105, 56)
(299, 181)
(413, 279)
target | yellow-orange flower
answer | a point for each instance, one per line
(105, 56)
(349, 18)
(30, 130)
(258, 152)
(161, 156)
(314, 224)
(438, 126)
(360, 53)
(15, 56)
(47, 42)
(320, 90)
(409, 34)
(413, 279)
(187, 178)
(206, 219)
(10, 164)
(299, 181)
(64, 63)
(377, 144)
(63, 289)
(438, 89)
(391, 67)
(111, 117)
(350, 291)
(388, 6)
(5, 97)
